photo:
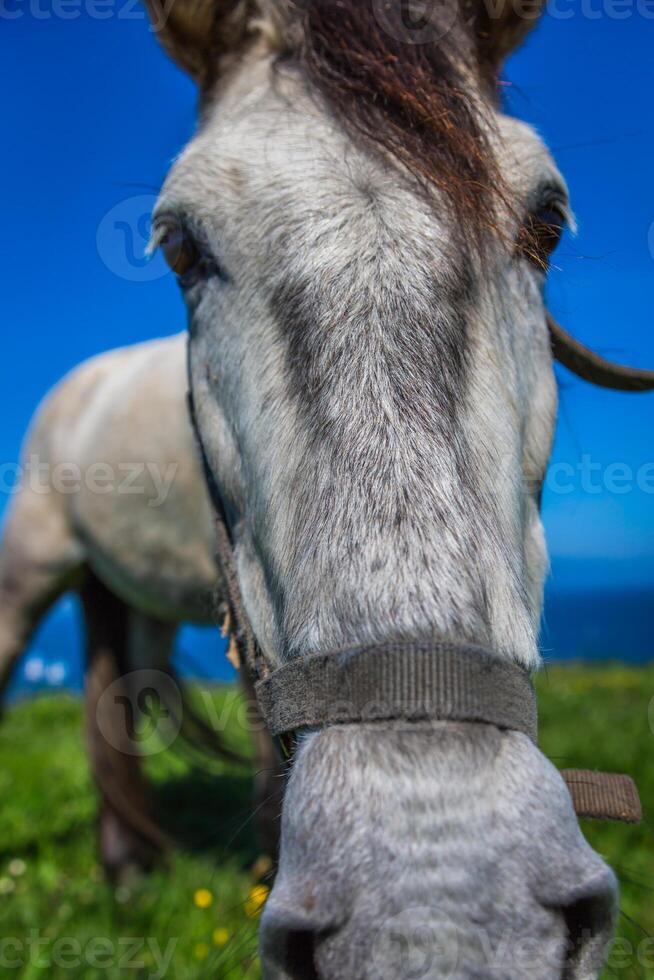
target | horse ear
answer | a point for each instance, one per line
(501, 27)
(198, 33)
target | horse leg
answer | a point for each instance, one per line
(130, 839)
(151, 647)
(269, 776)
(40, 559)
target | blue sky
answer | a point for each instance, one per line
(94, 113)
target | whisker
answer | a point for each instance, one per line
(233, 950)
(631, 876)
(242, 826)
(636, 924)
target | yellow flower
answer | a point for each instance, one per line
(256, 900)
(203, 898)
(201, 951)
(220, 937)
(261, 867)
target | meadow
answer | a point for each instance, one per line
(196, 917)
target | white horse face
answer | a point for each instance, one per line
(366, 388)
(376, 401)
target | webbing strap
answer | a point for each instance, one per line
(441, 680)
(402, 681)
(239, 626)
(603, 795)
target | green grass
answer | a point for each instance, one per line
(52, 888)
(601, 718)
(47, 821)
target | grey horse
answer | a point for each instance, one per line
(110, 502)
(362, 239)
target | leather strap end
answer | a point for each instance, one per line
(603, 795)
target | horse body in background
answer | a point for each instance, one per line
(362, 239)
(111, 503)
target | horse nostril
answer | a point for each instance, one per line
(290, 935)
(301, 948)
(291, 953)
(588, 921)
(296, 925)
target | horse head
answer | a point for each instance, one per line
(362, 239)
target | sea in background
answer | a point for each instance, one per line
(597, 624)
(56, 655)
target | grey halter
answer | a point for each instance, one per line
(398, 682)
(407, 682)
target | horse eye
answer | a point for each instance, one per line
(179, 250)
(541, 234)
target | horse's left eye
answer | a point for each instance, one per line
(179, 250)
(541, 233)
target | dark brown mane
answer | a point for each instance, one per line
(410, 100)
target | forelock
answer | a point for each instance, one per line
(421, 105)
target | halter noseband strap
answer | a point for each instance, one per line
(411, 682)
(439, 681)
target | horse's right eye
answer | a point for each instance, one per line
(179, 250)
